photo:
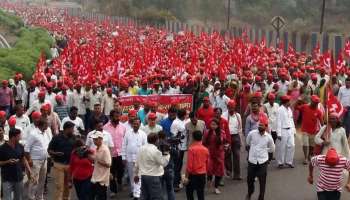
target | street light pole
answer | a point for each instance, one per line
(322, 16)
(228, 13)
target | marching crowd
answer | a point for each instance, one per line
(67, 123)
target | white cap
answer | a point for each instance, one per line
(97, 134)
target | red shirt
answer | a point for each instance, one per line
(205, 114)
(197, 159)
(225, 128)
(311, 119)
(80, 168)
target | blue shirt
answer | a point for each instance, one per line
(166, 124)
(144, 92)
(142, 116)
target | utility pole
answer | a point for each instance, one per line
(322, 16)
(228, 14)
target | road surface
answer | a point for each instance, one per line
(282, 184)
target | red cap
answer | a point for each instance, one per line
(12, 121)
(5, 82)
(95, 85)
(109, 90)
(59, 97)
(315, 99)
(144, 82)
(332, 157)
(152, 116)
(46, 107)
(36, 115)
(231, 104)
(32, 83)
(49, 85)
(2, 114)
(132, 113)
(166, 82)
(41, 94)
(258, 78)
(257, 95)
(263, 119)
(285, 98)
(271, 96)
(313, 76)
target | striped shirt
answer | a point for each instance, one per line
(62, 111)
(330, 178)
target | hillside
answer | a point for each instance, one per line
(27, 44)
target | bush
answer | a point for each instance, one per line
(25, 53)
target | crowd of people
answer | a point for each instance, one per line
(67, 123)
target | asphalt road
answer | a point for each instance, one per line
(282, 184)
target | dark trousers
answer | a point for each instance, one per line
(82, 188)
(151, 188)
(233, 156)
(168, 184)
(118, 168)
(98, 192)
(217, 180)
(178, 166)
(328, 195)
(274, 137)
(346, 121)
(260, 171)
(195, 183)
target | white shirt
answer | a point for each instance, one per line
(77, 122)
(260, 146)
(77, 101)
(344, 96)
(150, 161)
(26, 132)
(107, 104)
(132, 142)
(37, 143)
(283, 87)
(221, 102)
(272, 114)
(32, 96)
(36, 105)
(234, 122)
(51, 98)
(22, 121)
(284, 120)
(107, 140)
(179, 126)
(101, 174)
(95, 98)
(147, 129)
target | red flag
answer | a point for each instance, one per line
(347, 48)
(334, 105)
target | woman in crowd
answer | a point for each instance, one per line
(215, 140)
(81, 168)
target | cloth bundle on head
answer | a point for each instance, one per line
(2, 114)
(315, 99)
(263, 119)
(12, 121)
(332, 157)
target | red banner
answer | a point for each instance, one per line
(183, 101)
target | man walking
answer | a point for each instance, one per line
(233, 157)
(36, 153)
(260, 144)
(149, 166)
(310, 125)
(197, 167)
(12, 160)
(133, 140)
(60, 149)
(331, 168)
(285, 134)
